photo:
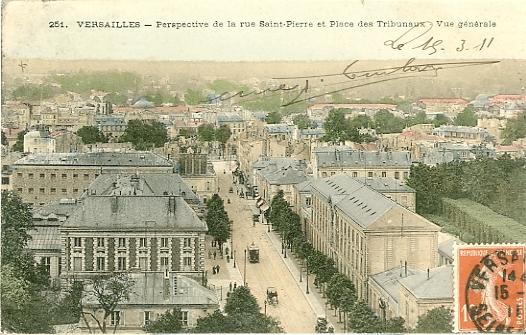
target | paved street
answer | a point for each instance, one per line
(296, 310)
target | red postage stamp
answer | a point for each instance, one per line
(489, 293)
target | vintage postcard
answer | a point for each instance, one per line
(263, 167)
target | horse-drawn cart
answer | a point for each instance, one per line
(272, 296)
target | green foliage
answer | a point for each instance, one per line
(438, 320)
(386, 123)
(222, 134)
(33, 92)
(169, 322)
(24, 309)
(217, 219)
(194, 97)
(19, 144)
(174, 100)
(69, 309)
(221, 86)
(467, 118)
(440, 120)
(241, 302)
(273, 117)
(362, 319)
(113, 81)
(339, 129)
(107, 291)
(419, 118)
(214, 323)
(338, 98)
(515, 129)
(483, 223)
(156, 98)
(4, 139)
(145, 135)
(115, 98)
(302, 122)
(91, 134)
(187, 132)
(206, 132)
(340, 290)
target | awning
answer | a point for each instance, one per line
(265, 207)
(234, 167)
(257, 197)
(260, 202)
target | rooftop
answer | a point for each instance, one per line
(136, 159)
(134, 212)
(345, 156)
(437, 285)
(387, 282)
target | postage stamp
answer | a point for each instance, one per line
(489, 293)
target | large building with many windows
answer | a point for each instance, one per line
(46, 178)
(120, 232)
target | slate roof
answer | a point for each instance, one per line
(147, 184)
(44, 238)
(285, 176)
(153, 289)
(137, 159)
(387, 281)
(446, 248)
(278, 128)
(276, 163)
(360, 202)
(439, 285)
(388, 185)
(129, 213)
(229, 118)
(346, 157)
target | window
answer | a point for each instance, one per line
(77, 263)
(42, 190)
(147, 317)
(64, 191)
(121, 263)
(384, 174)
(184, 318)
(122, 242)
(308, 201)
(77, 242)
(369, 174)
(30, 190)
(355, 174)
(397, 175)
(187, 242)
(143, 243)
(46, 261)
(164, 242)
(100, 242)
(333, 173)
(75, 175)
(164, 262)
(143, 263)
(406, 175)
(30, 175)
(53, 190)
(19, 190)
(116, 318)
(64, 176)
(187, 261)
(86, 176)
(324, 174)
(101, 261)
(19, 175)
(42, 175)
(75, 190)
(53, 176)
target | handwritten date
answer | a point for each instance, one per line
(418, 37)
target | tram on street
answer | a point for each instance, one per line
(253, 253)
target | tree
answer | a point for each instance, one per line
(145, 135)
(217, 219)
(302, 122)
(4, 139)
(362, 318)
(437, 320)
(187, 132)
(440, 119)
(91, 134)
(169, 322)
(206, 132)
(194, 97)
(335, 126)
(278, 207)
(222, 134)
(386, 123)
(419, 118)
(24, 309)
(273, 117)
(115, 98)
(19, 144)
(213, 323)
(104, 295)
(241, 302)
(156, 98)
(515, 129)
(33, 92)
(467, 118)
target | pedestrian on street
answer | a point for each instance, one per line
(230, 286)
(217, 268)
(215, 255)
(214, 270)
(235, 285)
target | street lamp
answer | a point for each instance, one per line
(234, 258)
(301, 272)
(307, 290)
(265, 307)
